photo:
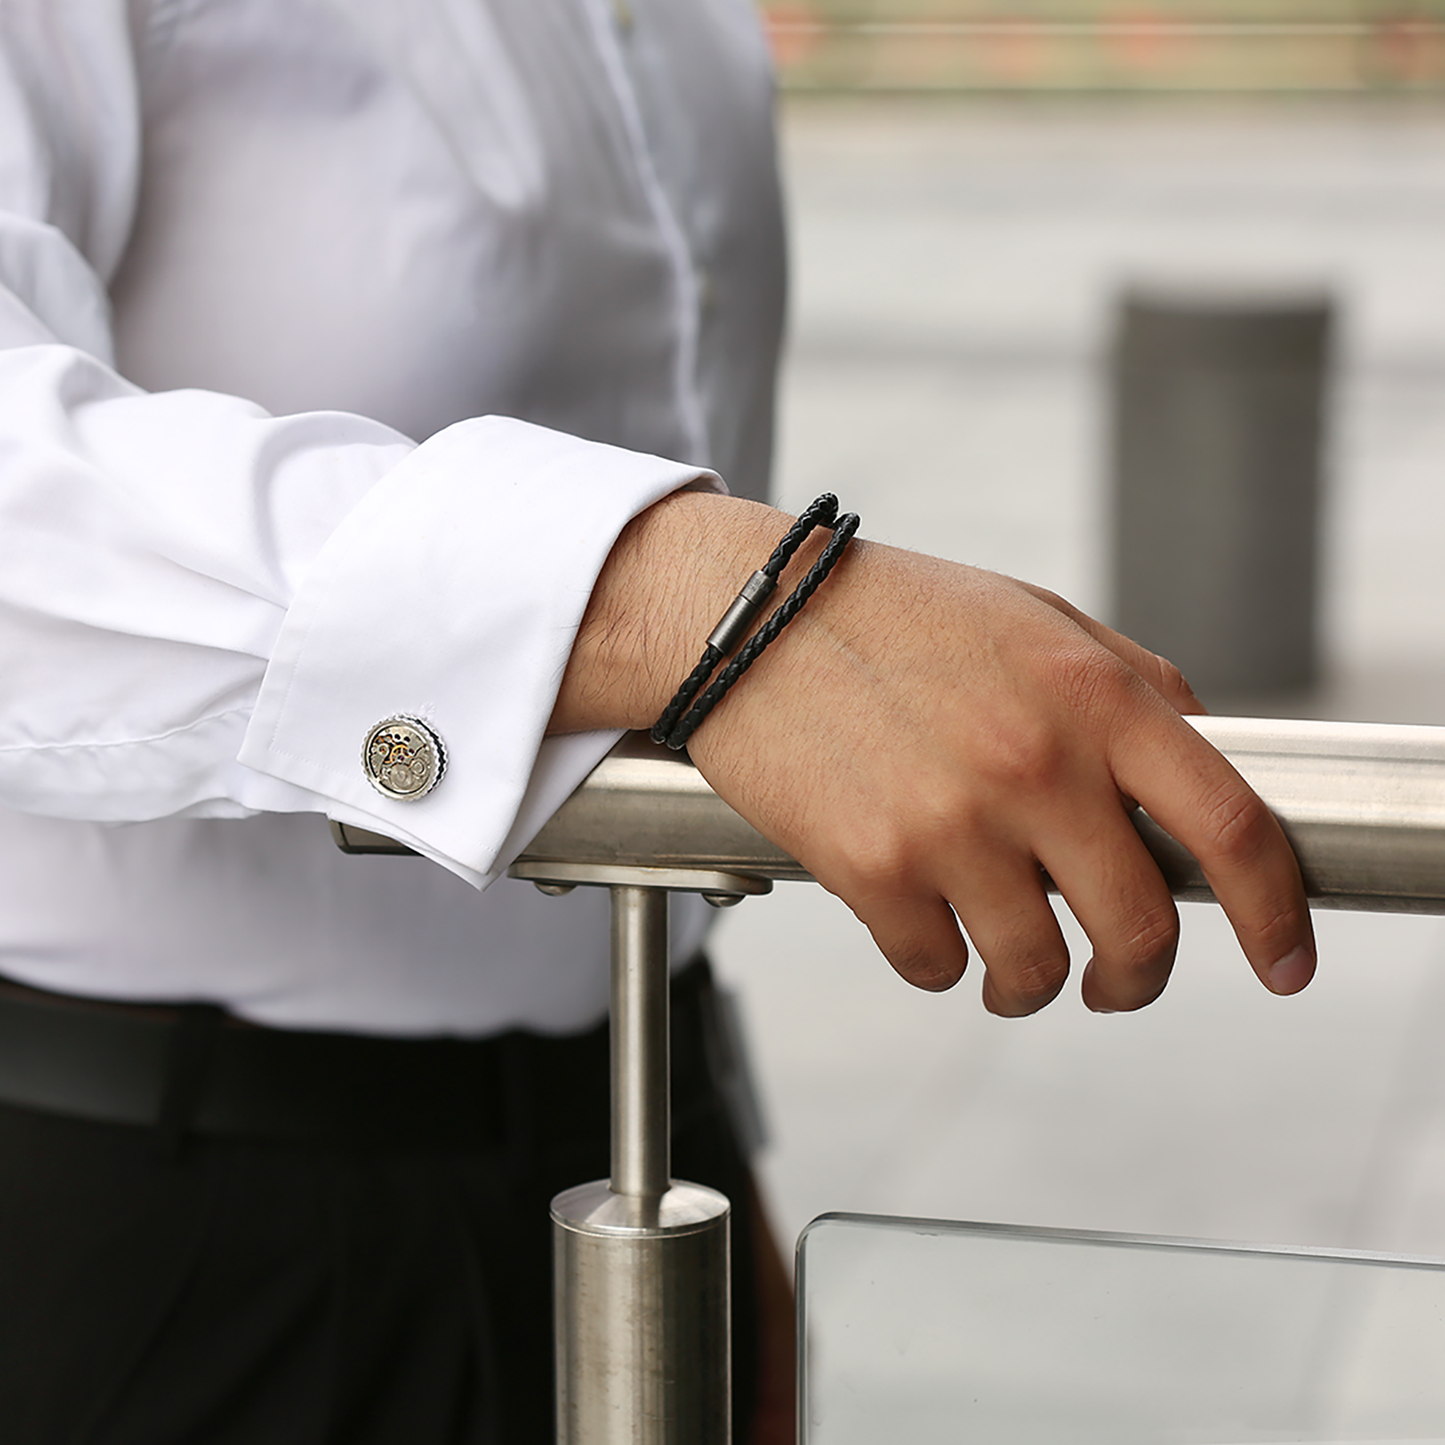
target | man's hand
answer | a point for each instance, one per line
(926, 737)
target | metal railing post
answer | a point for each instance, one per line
(641, 1102)
(641, 1262)
(643, 1317)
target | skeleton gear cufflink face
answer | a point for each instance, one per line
(404, 758)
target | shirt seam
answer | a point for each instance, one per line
(175, 732)
(674, 235)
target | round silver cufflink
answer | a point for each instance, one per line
(403, 758)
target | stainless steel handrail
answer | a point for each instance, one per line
(641, 1260)
(1363, 804)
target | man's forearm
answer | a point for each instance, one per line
(925, 737)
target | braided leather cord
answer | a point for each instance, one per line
(820, 513)
(753, 648)
(662, 728)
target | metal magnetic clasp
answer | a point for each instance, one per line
(734, 623)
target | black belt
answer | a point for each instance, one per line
(193, 1069)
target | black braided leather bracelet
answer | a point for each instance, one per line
(679, 721)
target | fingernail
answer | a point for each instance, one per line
(1292, 972)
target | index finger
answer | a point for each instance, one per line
(1191, 790)
(1158, 672)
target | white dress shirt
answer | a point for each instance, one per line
(252, 252)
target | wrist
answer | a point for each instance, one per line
(741, 636)
(670, 575)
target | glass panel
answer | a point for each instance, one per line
(920, 1332)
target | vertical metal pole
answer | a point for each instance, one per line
(643, 1314)
(641, 1098)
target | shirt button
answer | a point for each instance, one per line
(403, 758)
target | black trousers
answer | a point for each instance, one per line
(242, 1292)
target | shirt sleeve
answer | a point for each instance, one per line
(204, 608)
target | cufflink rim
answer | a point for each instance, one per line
(429, 735)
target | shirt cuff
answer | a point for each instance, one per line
(452, 593)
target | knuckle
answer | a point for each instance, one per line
(889, 852)
(1028, 986)
(876, 859)
(1028, 756)
(1240, 825)
(1151, 940)
(919, 965)
(1094, 683)
(1280, 930)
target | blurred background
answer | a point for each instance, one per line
(975, 191)
(1041, 47)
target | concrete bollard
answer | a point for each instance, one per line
(1218, 408)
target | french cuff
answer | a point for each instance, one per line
(413, 678)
